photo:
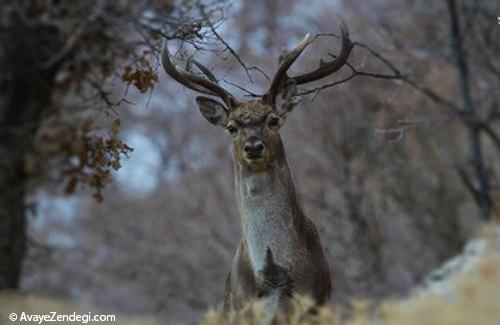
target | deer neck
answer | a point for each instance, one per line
(268, 208)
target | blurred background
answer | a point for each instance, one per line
(396, 172)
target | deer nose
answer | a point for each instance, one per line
(253, 147)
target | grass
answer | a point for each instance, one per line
(473, 298)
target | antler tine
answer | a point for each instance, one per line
(327, 68)
(193, 81)
(205, 71)
(280, 77)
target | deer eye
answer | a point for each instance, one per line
(232, 129)
(273, 121)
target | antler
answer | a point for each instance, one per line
(324, 69)
(280, 76)
(195, 82)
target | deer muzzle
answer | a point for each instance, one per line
(254, 148)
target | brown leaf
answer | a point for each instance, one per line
(115, 127)
(116, 164)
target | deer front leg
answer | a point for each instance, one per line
(241, 284)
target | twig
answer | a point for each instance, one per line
(248, 92)
(235, 55)
(396, 75)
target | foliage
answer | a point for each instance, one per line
(143, 77)
(86, 157)
(87, 48)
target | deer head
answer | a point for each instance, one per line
(254, 125)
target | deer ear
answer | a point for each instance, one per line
(213, 111)
(287, 99)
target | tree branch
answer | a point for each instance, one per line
(235, 55)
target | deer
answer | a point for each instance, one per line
(280, 252)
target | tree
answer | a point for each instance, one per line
(468, 39)
(374, 160)
(482, 190)
(58, 59)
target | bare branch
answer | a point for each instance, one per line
(488, 130)
(354, 73)
(236, 56)
(71, 42)
(396, 75)
(466, 180)
(248, 92)
(329, 85)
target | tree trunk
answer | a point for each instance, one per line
(477, 159)
(12, 212)
(26, 93)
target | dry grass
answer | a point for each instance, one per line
(474, 298)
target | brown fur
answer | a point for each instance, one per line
(279, 241)
(280, 253)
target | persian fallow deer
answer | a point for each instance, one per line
(280, 251)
